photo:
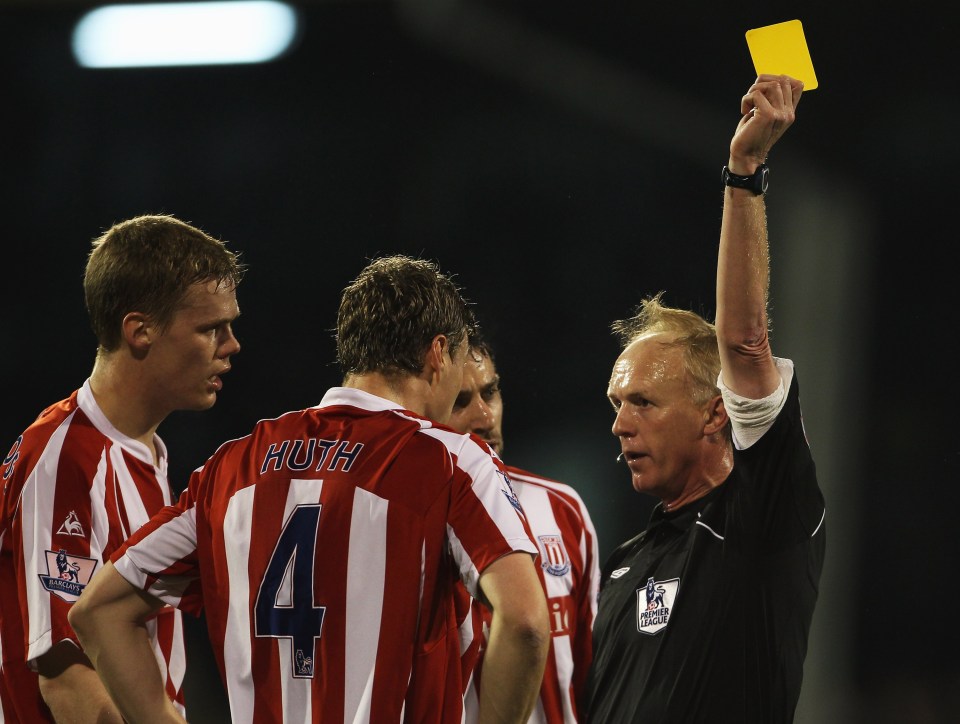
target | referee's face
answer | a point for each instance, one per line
(660, 428)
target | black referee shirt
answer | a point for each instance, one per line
(704, 617)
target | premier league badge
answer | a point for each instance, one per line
(507, 490)
(654, 604)
(67, 575)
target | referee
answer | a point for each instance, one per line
(704, 616)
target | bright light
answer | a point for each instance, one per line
(184, 33)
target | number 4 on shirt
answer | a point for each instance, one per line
(285, 607)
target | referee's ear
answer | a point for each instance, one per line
(715, 418)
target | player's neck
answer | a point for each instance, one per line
(404, 389)
(119, 395)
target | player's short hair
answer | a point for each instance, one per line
(147, 264)
(479, 347)
(693, 333)
(393, 310)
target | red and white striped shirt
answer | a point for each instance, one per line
(570, 573)
(324, 548)
(74, 488)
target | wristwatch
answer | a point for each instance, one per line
(757, 183)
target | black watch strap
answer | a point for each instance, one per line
(757, 183)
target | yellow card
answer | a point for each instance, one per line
(781, 49)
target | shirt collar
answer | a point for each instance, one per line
(684, 517)
(357, 398)
(88, 403)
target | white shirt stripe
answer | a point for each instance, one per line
(366, 581)
(37, 535)
(99, 519)
(237, 654)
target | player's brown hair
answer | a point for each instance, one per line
(392, 311)
(146, 264)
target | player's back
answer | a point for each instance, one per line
(334, 536)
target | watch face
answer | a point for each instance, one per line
(764, 178)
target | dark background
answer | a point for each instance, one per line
(563, 161)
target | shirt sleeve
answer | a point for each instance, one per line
(161, 557)
(486, 520)
(750, 419)
(55, 542)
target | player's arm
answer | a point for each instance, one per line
(519, 638)
(71, 688)
(109, 619)
(743, 273)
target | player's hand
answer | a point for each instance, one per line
(769, 108)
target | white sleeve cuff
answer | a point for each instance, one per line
(750, 419)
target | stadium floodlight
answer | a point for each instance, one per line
(184, 33)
